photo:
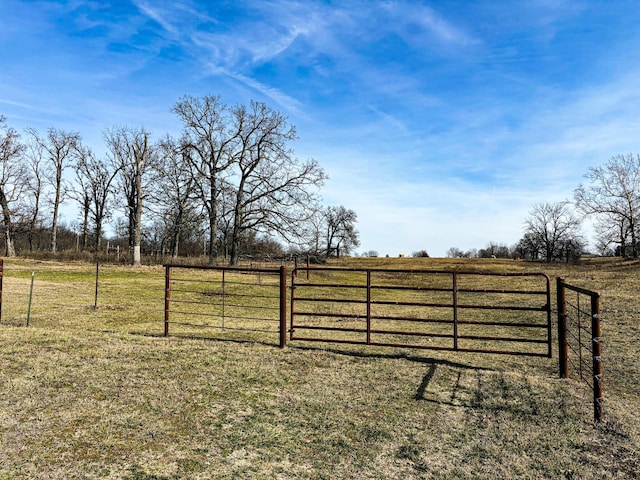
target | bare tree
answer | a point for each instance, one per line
(81, 193)
(455, 252)
(59, 147)
(553, 226)
(132, 156)
(313, 233)
(34, 156)
(13, 178)
(273, 191)
(174, 191)
(494, 250)
(97, 179)
(210, 142)
(341, 235)
(613, 195)
(528, 247)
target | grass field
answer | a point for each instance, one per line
(91, 392)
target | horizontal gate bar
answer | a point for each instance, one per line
(324, 293)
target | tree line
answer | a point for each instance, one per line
(610, 195)
(229, 182)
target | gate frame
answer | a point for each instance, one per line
(282, 271)
(455, 305)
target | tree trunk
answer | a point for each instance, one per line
(137, 237)
(213, 232)
(54, 223)
(634, 244)
(85, 226)
(214, 191)
(98, 234)
(235, 243)
(9, 250)
(56, 208)
(176, 245)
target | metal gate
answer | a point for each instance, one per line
(488, 312)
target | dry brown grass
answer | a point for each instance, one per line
(97, 393)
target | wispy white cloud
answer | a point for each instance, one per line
(410, 20)
(289, 103)
(158, 16)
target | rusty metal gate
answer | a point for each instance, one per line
(508, 313)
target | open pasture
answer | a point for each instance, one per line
(97, 392)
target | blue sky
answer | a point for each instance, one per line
(441, 123)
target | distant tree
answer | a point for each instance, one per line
(571, 249)
(613, 196)
(246, 177)
(210, 140)
(313, 233)
(420, 253)
(59, 147)
(132, 156)
(13, 179)
(341, 234)
(494, 250)
(97, 179)
(81, 193)
(173, 193)
(611, 236)
(455, 252)
(274, 192)
(528, 247)
(34, 159)
(553, 226)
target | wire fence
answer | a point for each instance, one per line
(600, 357)
(81, 296)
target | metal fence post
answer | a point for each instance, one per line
(368, 307)
(95, 297)
(597, 357)
(549, 327)
(563, 347)
(292, 303)
(454, 291)
(33, 276)
(283, 306)
(167, 298)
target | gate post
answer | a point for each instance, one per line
(283, 306)
(167, 298)
(454, 288)
(563, 347)
(597, 357)
(368, 307)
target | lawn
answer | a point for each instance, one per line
(91, 392)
